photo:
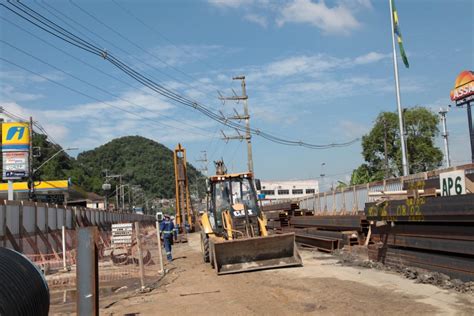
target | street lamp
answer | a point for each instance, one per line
(322, 175)
(32, 181)
(50, 158)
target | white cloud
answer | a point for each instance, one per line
(335, 20)
(230, 3)
(23, 77)
(92, 124)
(312, 66)
(10, 93)
(258, 19)
(56, 129)
(351, 128)
(178, 55)
(356, 4)
(369, 58)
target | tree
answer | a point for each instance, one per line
(421, 128)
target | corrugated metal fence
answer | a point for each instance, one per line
(31, 227)
(352, 199)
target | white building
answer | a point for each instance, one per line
(288, 189)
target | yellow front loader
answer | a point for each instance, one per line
(234, 237)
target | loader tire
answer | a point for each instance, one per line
(205, 247)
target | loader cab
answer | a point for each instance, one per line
(235, 193)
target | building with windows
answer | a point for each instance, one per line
(287, 189)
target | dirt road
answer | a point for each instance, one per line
(320, 287)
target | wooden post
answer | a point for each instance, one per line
(160, 250)
(140, 255)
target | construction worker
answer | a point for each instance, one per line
(167, 231)
(176, 229)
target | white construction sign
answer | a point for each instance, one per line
(122, 234)
(452, 183)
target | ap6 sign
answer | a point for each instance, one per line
(452, 183)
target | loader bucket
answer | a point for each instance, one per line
(258, 253)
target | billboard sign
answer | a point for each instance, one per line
(464, 86)
(15, 136)
(15, 165)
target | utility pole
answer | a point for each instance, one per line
(385, 148)
(117, 187)
(204, 169)
(245, 117)
(205, 161)
(442, 112)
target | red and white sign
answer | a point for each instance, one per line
(15, 165)
(464, 86)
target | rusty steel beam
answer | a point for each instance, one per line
(464, 247)
(444, 209)
(335, 222)
(321, 243)
(285, 206)
(461, 267)
(458, 231)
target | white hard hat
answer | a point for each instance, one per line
(172, 217)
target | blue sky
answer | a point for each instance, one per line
(317, 71)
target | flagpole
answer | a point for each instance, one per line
(399, 106)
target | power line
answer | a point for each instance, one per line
(127, 53)
(101, 89)
(82, 93)
(73, 39)
(35, 123)
(155, 31)
(136, 45)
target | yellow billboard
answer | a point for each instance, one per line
(15, 136)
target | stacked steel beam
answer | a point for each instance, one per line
(328, 232)
(434, 233)
(278, 214)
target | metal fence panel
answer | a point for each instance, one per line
(361, 198)
(60, 217)
(349, 200)
(339, 202)
(41, 216)
(69, 214)
(13, 218)
(52, 218)
(29, 218)
(330, 202)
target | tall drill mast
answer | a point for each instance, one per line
(183, 204)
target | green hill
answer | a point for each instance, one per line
(141, 161)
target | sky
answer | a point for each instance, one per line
(316, 71)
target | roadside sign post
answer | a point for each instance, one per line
(463, 94)
(15, 153)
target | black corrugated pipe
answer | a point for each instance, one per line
(23, 288)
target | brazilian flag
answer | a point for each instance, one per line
(396, 30)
